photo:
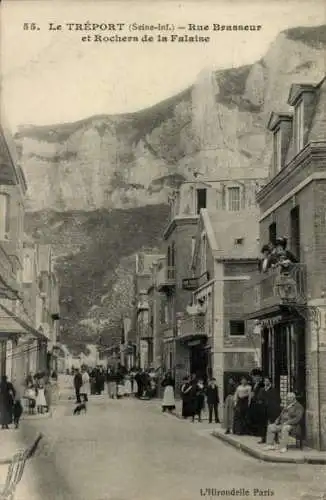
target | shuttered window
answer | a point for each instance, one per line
(234, 201)
(4, 216)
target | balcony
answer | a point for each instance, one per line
(192, 328)
(274, 289)
(165, 278)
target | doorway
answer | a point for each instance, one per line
(199, 361)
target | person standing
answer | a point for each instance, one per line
(242, 398)
(186, 397)
(7, 397)
(228, 417)
(212, 401)
(112, 384)
(78, 382)
(255, 410)
(85, 389)
(271, 407)
(200, 400)
(168, 403)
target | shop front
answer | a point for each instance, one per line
(283, 354)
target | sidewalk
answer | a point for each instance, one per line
(249, 445)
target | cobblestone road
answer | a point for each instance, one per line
(128, 450)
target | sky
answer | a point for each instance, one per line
(54, 77)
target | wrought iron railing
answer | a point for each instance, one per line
(192, 325)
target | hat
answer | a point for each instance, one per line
(281, 241)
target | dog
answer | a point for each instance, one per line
(79, 408)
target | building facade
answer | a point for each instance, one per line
(213, 329)
(223, 196)
(22, 342)
(290, 307)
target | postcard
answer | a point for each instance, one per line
(162, 250)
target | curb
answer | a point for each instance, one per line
(265, 457)
(7, 460)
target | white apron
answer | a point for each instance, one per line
(168, 396)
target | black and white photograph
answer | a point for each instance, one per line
(162, 250)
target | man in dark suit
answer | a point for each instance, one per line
(212, 400)
(270, 405)
(78, 382)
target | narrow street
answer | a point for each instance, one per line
(128, 450)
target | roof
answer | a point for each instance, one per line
(224, 228)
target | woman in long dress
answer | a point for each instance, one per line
(127, 386)
(228, 417)
(168, 403)
(7, 397)
(186, 395)
(242, 398)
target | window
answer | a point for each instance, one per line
(28, 269)
(4, 216)
(193, 244)
(203, 254)
(237, 328)
(277, 155)
(234, 199)
(295, 231)
(201, 199)
(298, 126)
(272, 233)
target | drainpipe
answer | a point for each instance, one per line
(318, 387)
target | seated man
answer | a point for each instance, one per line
(289, 418)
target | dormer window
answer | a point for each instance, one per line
(233, 199)
(277, 154)
(299, 125)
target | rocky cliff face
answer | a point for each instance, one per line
(129, 160)
(90, 182)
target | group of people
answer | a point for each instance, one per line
(254, 408)
(276, 255)
(36, 391)
(120, 382)
(194, 393)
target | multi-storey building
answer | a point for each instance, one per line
(142, 324)
(232, 194)
(23, 340)
(291, 307)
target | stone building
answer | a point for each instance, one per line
(291, 308)
(179, 241)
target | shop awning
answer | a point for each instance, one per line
(11, 324)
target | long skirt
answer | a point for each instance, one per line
(241, 416)
(228, 416)
(168, 402)
(128, 387)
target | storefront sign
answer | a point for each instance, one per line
(190, 284)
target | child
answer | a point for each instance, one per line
(212, 401)
(30, 395)
(40, 399)
(127, 386)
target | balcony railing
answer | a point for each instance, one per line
(192, 326)
(165, 277)
(276, 288)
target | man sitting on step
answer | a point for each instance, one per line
(286, 423)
